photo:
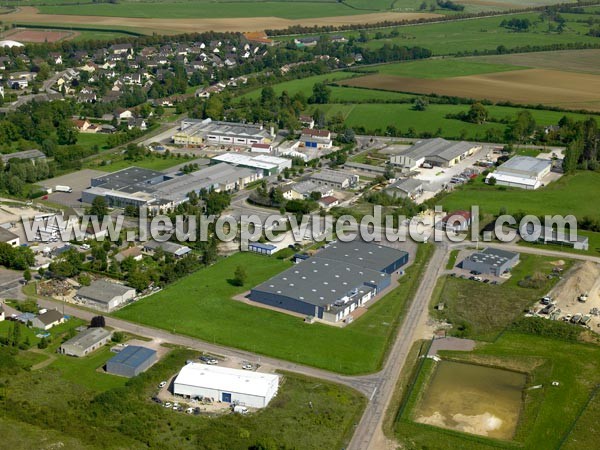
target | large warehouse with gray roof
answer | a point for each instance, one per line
(334, 282)
(437, 152)
(157, 190)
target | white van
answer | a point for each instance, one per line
(238, 409)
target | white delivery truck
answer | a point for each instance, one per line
(60, 188)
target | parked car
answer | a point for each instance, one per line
(208, 360)
(247, 366)
(168, 405)
(162, 384)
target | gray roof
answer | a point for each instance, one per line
(6, 235)
(192, 127)
(88, 338)
(166, 187)
(341, 269)
(102, 291)
(525, 165)
(131, 179)
(50, 316)
(407, 185)
(438, 148)
(493, 256)
(332, 176)
(168, 247)
(133, 356)
(26, 154)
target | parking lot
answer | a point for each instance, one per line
(78, 181)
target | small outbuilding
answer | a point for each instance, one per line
(85, 342)
(240, 387)
(131, 361)
(263, 249)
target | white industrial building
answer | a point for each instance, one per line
(267, 164)
(524, 172)
(240, 387)
(207, 131)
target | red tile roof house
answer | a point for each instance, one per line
(455, 221)
(328, 202)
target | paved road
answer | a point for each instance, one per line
(369, 432)
(365, 386)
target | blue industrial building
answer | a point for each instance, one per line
(334, 282)
(263, 249)
(131, 361)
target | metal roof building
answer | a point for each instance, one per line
(334, 282)
(142, 187)
(131, 361)
(334, 178)
(105, 295)
(524, 172)
(491, 261)
(85, 342)
(438, 152)
(241, 387)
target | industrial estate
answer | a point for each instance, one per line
(323, 224)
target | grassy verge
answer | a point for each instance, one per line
(201, 306)
(452, 260)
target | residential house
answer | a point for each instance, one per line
(48, 320)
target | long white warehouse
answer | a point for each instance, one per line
(253, 389)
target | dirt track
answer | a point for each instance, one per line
(28, 14)
(535, 86)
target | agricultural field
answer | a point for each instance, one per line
(38, 36)
(374, 117)
(584, 61)
(557, 408)
(201, 305)
(457, 37)
(180, 17)
(443, 68)
(531, 87)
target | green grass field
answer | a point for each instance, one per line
(208, 9)
(569, 195)
(442, 68)
(152, 162)
(201, 306)
(88, 140)
(481, 311)
(548, 413)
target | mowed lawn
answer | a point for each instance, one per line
(201, 306)
(572, 194)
